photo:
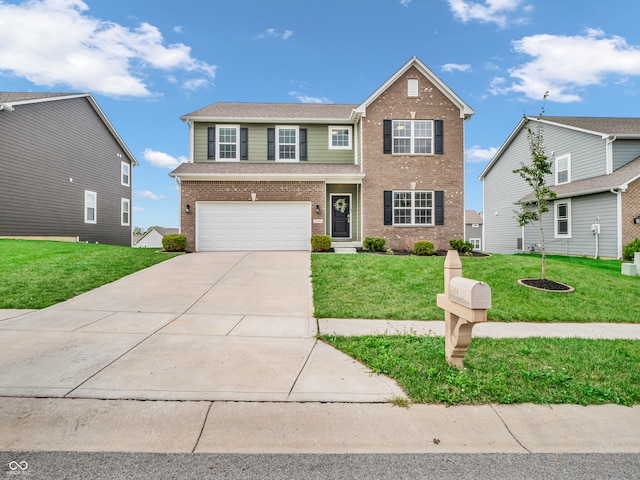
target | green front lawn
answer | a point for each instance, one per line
(527, 370)
(405, 288)
(37, 274)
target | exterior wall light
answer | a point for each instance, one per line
(637, 219)
(317, 208)
(187, 209)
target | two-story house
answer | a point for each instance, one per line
(269, 176)
(66, 173)
(596, 179)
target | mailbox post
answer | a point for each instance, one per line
(465, 303)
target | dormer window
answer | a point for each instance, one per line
(563, 169)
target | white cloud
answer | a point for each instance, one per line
(274, 33)
(564, 65)
(162, 160)
(177, 29)
(138, 209)
(149, 195)
(56, 42)
(301, 97)
(499, 12)
(453, 67)
(405, 3)
(476, 154)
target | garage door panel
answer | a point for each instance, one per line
(253, 226)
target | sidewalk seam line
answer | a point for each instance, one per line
(304, 365)
(508, 429)
(204, 424)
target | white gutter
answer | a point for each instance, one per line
(344, 178)
(7, 107)
(609, 154)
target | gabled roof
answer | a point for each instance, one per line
(9, 100)
(619, 179)
(160, 230)
(283, 112)
(471, 216)
(604, 127)
(465, 110)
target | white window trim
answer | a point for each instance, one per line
(218, 143)
(413, 89)
(125, 169)
(477, 243)
(562, 157)
(412, 137)
(343, 127)
(287, 127)
(123, 202)
(413, 209)
(87, 195)
(557, 203)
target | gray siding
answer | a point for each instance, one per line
(588, 152)
(317, 144)
(50, 153)
(624, 151)
(474, 232)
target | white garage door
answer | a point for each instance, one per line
(224, 226)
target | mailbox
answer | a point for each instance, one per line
(470, 293)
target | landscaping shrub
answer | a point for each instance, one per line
(174, 242)
(463, 248)
(631, 248)
(320, 243)
(423, 247)
(374, 244)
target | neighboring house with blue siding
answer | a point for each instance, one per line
(66, 173)
(268, 176)
(596, 179)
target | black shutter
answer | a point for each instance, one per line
(439, 136)
(244, 144)
(386, 137)
(271, 143)
(211, 143)
(388, 207)
(303, 144)
(439, 207)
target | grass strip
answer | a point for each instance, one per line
(505, 371)
(37, 274)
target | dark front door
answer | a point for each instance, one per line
(340, 216)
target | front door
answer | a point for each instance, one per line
(340, 216)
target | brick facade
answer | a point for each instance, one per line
(630, 210)
(398, 172)
(240, 191)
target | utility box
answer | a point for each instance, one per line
(470, 293)
(595, 228)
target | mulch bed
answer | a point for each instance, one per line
(546, 285)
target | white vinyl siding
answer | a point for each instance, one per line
(90, 207)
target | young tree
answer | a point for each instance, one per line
(534, 174)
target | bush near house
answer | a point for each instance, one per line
(463, 248)
(374, 244)
(423, 247)
(320, 243)
(630, 249)
(174, 242)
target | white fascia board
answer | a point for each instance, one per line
(504, 146)
(343, 178)
(274, 120)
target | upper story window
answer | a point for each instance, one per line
(125, 174)
(412, 87)
(563, 169)
(413, 137)
(90, 207)
(287, 144)
(340, 138)
(228, 141)
(412, 208)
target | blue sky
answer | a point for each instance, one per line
(148, 62)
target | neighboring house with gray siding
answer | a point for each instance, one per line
(66, 173)
(268, 176)
(596, 178)
(153, 237)
(473, 229)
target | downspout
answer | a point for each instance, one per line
(618, 193)
(609, 154)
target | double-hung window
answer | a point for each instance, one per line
(125, 174)
(228, 142)
(563, 218)
(412, 207)
(563, 169)
(90, 207)
(340, 138)
(413, 137)
(287, 144)
(125, 211)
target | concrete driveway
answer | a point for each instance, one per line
(204, 326)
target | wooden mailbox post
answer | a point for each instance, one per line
(465, 303)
